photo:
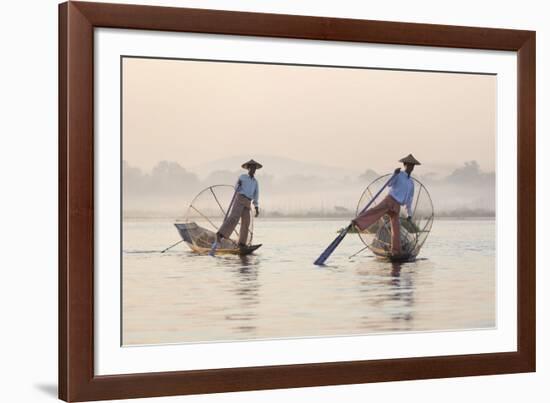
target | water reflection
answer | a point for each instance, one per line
(179, 296)
(387, 294)
(403, 291)
(245, 285)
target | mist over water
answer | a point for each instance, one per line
(179, 297)
(294, 188)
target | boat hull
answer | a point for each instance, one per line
(220, 251)
(200, 240)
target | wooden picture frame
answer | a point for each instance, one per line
(77, 381)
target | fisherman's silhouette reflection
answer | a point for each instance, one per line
(246, 287)
(388, 296)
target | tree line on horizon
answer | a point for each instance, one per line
(170, 178)
(465, 191)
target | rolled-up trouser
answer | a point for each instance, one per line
(387, 206)
(239, 211)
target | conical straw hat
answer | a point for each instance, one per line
(251, 162)
(409, 159)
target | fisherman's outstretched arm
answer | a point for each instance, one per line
(393, 178)
(238, 184)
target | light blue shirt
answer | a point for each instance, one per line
(248, 188)
(402, 190)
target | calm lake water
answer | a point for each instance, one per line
(179, 296)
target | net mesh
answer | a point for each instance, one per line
(209, 207)
(413, 233)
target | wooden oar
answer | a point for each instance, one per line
(170, 247)
(334, 244)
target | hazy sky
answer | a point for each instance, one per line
(197, 112)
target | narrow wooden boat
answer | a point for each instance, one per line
(200, 240)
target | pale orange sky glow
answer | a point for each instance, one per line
(196, 112)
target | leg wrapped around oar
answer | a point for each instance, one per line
(334, 244)
(240, 211)
(245, 224)
(387, 206)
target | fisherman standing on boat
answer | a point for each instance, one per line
(401, 194)
(247, 191)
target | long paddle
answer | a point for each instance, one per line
(334, 244)
(170, 247)
(215, 243)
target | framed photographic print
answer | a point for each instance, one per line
(255, 201)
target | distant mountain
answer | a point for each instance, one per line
(368, 176)
(274, 166)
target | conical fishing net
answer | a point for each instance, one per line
(413, 233)
(208, 210)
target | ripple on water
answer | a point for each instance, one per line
(178, 296)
